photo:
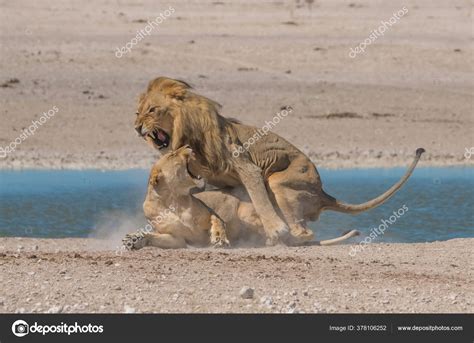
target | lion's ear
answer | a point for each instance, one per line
(173, 88)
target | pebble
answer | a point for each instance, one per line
(128, 309)
(246, 292)
(266, 300)
(55, 309)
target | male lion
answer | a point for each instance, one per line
(282, 182)
(206, 218)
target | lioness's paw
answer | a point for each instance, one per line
(134, 241)
(220, 242)
(218, 234)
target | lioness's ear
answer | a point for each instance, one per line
(173, 88)
(155, 176)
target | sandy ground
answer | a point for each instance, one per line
(75, 275)
(411, 88)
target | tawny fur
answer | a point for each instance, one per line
(283, 184)
(217, 218)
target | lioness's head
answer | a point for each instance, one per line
(172, 171)
(157, 111)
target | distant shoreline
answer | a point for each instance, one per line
(144, 161)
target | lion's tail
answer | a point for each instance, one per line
(334, 241)
(333, 204)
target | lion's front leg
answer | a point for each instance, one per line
(218, 234)
(251, 176)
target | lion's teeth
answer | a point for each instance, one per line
(152, 135)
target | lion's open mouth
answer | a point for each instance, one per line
(160, 138)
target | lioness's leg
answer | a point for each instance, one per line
(165, 241)
(218, 234)
(138, 240)
(251, 177)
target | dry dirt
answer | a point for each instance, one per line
(77, 275)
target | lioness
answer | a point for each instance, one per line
(206, 218)
(283, 183)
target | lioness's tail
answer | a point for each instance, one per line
(332, 204)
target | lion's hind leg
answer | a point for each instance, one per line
(218, 234)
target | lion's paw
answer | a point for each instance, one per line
(277, 235)
(134, 241)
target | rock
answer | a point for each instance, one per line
(246, 293)
(128, 309)
(266, 300)
(55, 309)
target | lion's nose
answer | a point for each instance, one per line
(139, 129)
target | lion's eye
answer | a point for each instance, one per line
(152, 110)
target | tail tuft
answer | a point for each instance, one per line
(419, 151)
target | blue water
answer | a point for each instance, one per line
(72, 203)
